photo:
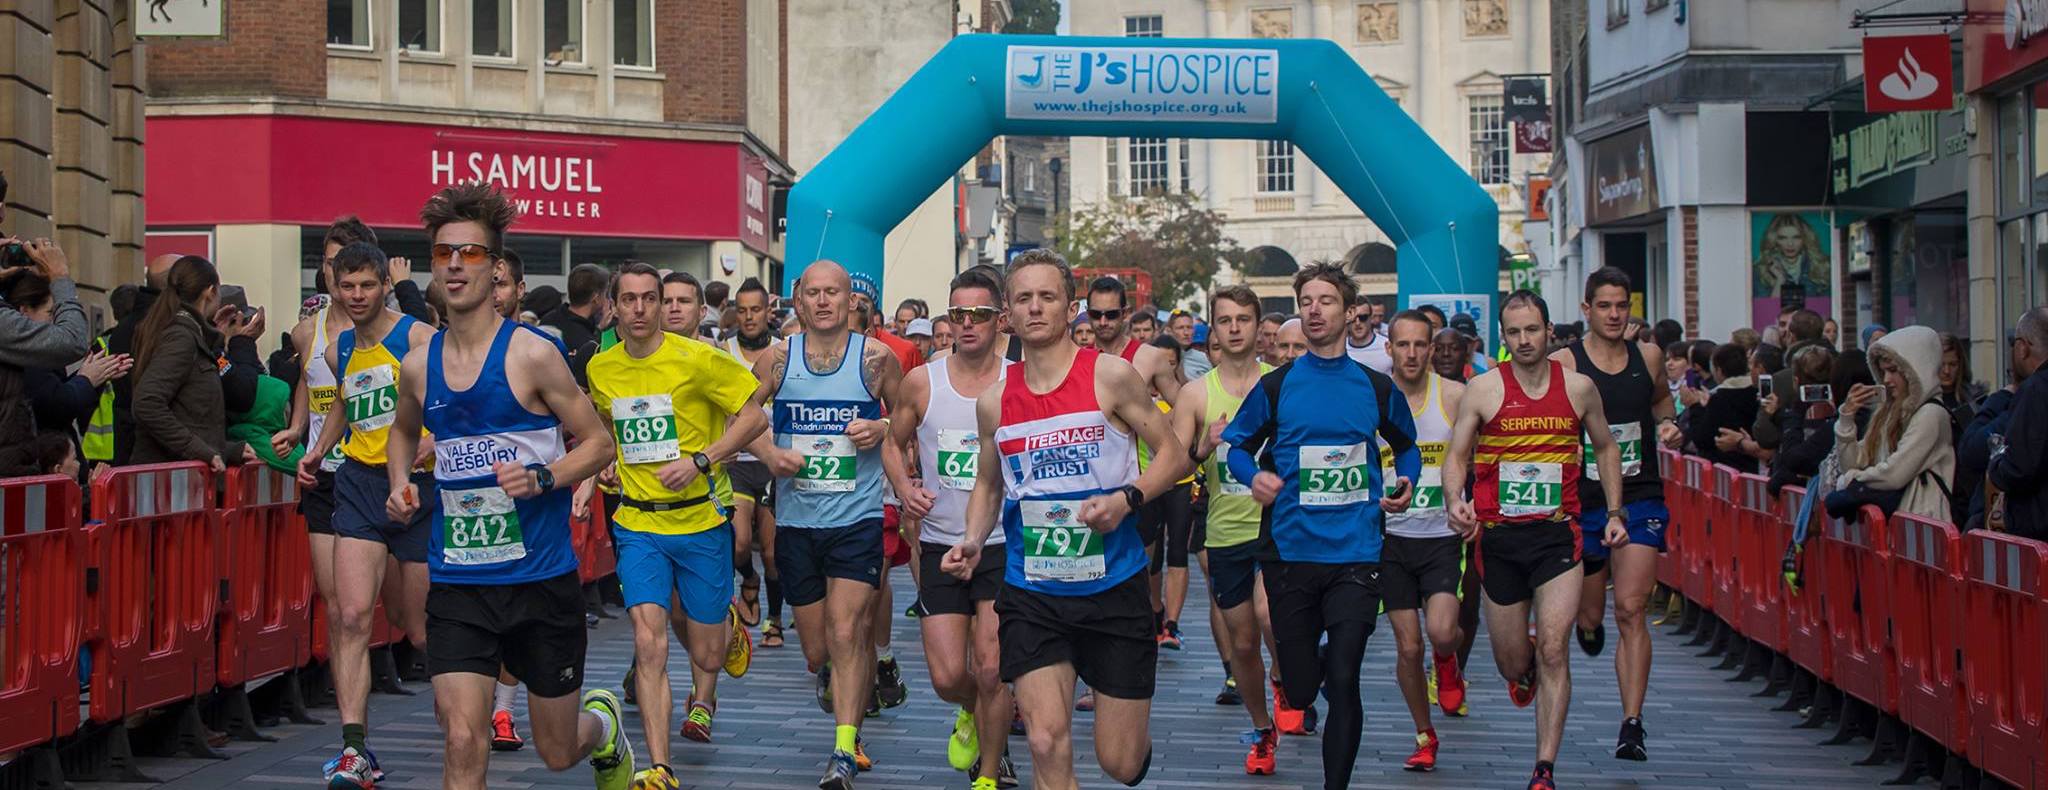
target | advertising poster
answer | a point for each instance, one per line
(1789, 263)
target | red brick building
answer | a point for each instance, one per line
(627, 129)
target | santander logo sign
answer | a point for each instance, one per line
(1907, 73)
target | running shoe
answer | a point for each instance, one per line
(697, 723)
(1169, 636)
(1087, 701)
(984, 783)
(1229, 695)
(351, 771)
(1017, 723)
(613, 758)
(1522, 690)
(739, 649)
(1006, 771)
(1541, 779)
(376, 771)
(1629, 746)
(660, 777)
(839, 772)
(889, 683)
(771, 633)
(1424, 758)
(860, 755)
(1592, 641)
(1285, 717)
(913, 611)
(1429, 681)
(504, 733)
(1259, 762)
(824, 691)
(630, 686)
(1450, 690)
(1308, 720)
(963, 748)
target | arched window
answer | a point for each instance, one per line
(1370, 258)
(1270, 261)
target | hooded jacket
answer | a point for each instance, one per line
(1926, 446)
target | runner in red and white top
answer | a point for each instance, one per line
(1065, 423)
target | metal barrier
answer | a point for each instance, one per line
(267, 570)
(1859, 600)
(158, 591)
(42, 609)
(2003, 657)
(1927, 629)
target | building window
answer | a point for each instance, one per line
(1116, 167)
(419, 25)
(348, 23)
(1144, 26)
(1486, 18)
(1487, 131)
(1149, 165)
(492, 28)
(1617, 13)
(1379, 23)
(633, 33)
(562, 31)
(1028, 175)
(1276, 166)
(1184, 159)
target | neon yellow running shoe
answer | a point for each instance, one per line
(657, 778)
(739, 650)
(985, 783)
(612, 759)
(1431, 677)
(963, 749)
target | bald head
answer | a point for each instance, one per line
(824, 296)
(157, 269)
(825, 272)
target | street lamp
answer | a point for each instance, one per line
(1054, 166)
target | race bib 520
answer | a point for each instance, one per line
(1336, 474)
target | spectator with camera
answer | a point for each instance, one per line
(1903, 459)
(180, 408)
(235, 359)
(60, 402)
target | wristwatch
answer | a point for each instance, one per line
(542, 478)
(702, 461)
(1134, 497)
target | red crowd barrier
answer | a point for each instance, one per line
(1671, 468)
(1927, 628)
(1858, 600)
(268, 569)
(1807, 640)
(1761, 543)
(1728, 521)
(42, 609)
(158, 590)
(2003, 655)
(1699, 551)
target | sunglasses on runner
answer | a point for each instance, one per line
(1105, 315)
(975, 315)
(472, 254)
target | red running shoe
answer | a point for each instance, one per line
(1541, 779)
(1286, 718)
(1260, 761)
(1521, 691)
(1450, 686)
(1424, 758)
(505, 734)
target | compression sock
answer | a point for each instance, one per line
(844, 737)
(745, 565)
(353, 736)
(774, 598)
(1142, 771)
(501, 699)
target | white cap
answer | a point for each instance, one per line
(918, 326)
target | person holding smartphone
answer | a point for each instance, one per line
(1721, 428)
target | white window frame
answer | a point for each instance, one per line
(1617, 13)
(511, 9)
(653, 63)
(440, 27)
(1140, 187)
(1264, 172)
(1478, 162)
(1160, 32)
(369, 8)
(582, 36)
(1113, 161)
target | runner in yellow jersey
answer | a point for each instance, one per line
(668, 400)
(365, 363)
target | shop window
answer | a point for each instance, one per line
(633, 33)
(1152, 26)
(419, 25)
(1487, 131)
(562, 31)
(1927, 271)
(2011, 114)
(348, 24)
(682, 256)
(492, 29)
(1276, 166)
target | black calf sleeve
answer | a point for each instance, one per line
(1142, 771)
(1346, 721)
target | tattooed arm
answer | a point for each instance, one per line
(883, 373)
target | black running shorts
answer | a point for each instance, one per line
(751, 480)
(1413, 569)
(940, 592)
(534, 630)
(317, 504)
(1108, 637)
(805, 558)
(1515, 559)
(1232, 572)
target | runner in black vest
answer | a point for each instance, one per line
(1640, 413)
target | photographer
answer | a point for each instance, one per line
(237, 376)
(24, 341)
(179, 409)
(60, 402)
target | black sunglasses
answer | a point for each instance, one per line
(974, 315)
(1105, 315)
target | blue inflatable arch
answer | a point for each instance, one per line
(1444, 227)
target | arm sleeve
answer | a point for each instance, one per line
(155, 388)
(1251, 429)
(411, 301)
(58, 401)
(1705, 423)
(2019, 466)
(27, 343)
(1924, 432)
(1847, 450)
(238, 382)
(1397, 426)
(1974, 454)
